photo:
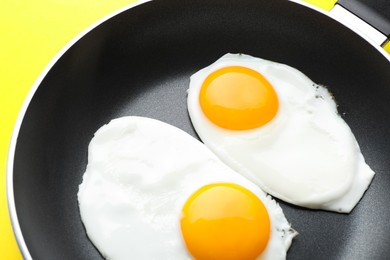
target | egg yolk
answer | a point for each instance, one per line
(238, 98)
(225, 221)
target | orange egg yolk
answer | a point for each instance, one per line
(225, 221)
(238, 98)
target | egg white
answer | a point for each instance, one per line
(307, 155)
(140, 173)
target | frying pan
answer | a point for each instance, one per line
(139, 62)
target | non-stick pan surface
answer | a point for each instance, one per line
(139, 63)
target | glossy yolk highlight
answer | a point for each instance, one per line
(225, 221)
(238, 98)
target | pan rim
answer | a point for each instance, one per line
(17, 126)
(354, 29)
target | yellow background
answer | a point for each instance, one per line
(31, 33)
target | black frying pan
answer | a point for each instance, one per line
(139, 63)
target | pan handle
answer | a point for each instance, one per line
(353, 21)
(370, 24)
(374, 12)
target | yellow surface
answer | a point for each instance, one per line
(387, 47)
(324, 4)
(31, 33)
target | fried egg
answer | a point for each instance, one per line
(275, 126)
(151, 191)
